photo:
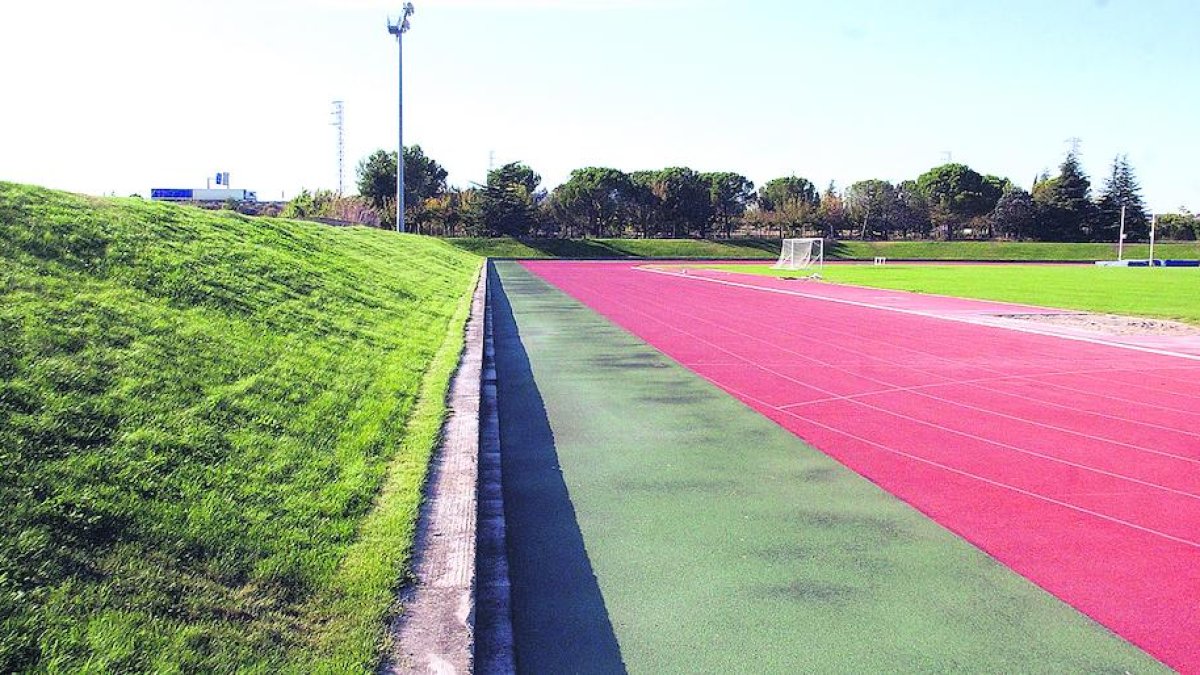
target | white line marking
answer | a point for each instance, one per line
(961, 472)
(901, 453)
(928, 315)
(833, 396)
(1006, 486)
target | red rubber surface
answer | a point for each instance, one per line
(1075, 464)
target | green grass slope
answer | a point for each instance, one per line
(1168, 293)
(213, 431)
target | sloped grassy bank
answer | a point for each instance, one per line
(198, 414)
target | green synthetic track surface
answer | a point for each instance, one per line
(656, 523)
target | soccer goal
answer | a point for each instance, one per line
(800, 254)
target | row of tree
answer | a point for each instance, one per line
(947, 202)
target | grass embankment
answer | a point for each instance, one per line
(508, 247)
(1168, 293)
(767, 249)
(213, 431)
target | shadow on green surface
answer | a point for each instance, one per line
(836, 250)
(560, 622)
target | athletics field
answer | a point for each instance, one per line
(711, 476)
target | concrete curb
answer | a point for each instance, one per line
(494, 650)
(435, 633)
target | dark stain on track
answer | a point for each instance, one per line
(628, 361)
(882, 528)
(675, 399)
(673, 486)
(819, 475)
(791, 554)
(850, 555)
(812, 591)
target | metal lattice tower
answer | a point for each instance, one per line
(339, 121)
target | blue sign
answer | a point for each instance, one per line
(169, 193)
(218, 178)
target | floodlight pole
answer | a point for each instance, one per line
(399, 29)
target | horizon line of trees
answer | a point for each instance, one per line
(950, 201)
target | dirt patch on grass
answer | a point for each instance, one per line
(1111, 324)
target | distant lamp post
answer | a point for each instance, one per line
(399, 29)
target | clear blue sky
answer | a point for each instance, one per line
(124, 95)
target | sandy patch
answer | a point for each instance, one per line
(1110, 324)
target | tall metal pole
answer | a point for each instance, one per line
(1121, 237)
(400, 136)
(399, 29)
(1153, 226)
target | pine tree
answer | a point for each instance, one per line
(1121, 189)
(507, 204)
(1065, 208)
(1015, 215)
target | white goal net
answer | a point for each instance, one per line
(800, 254)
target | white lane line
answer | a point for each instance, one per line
(896, 414)
(880, 446)
(928, 315)
(914, 390)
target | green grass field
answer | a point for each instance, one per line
(1169, 293)
(1028, 251)
(768, 249)
(213, 432)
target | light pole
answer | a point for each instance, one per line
(399, 29)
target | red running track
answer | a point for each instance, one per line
(1075, 464)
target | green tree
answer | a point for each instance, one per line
(993, 188)
(729, 194)
(1121, 189)
(596, 200)
(309, 204)
(449, 214)
(1183, 226)
(508, 203)
(1065, 211)
(423, 178)
(789, 204)
(910, 213)
(782, 193)
(1015, 215)
(831, 213)
(683, 203)
(871, 203)
(645, 208)
(956, 194)
(377, 178)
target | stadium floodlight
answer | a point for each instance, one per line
(399, 29)
(797, 254)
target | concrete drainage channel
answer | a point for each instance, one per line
(457, 615)
(493, 617)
